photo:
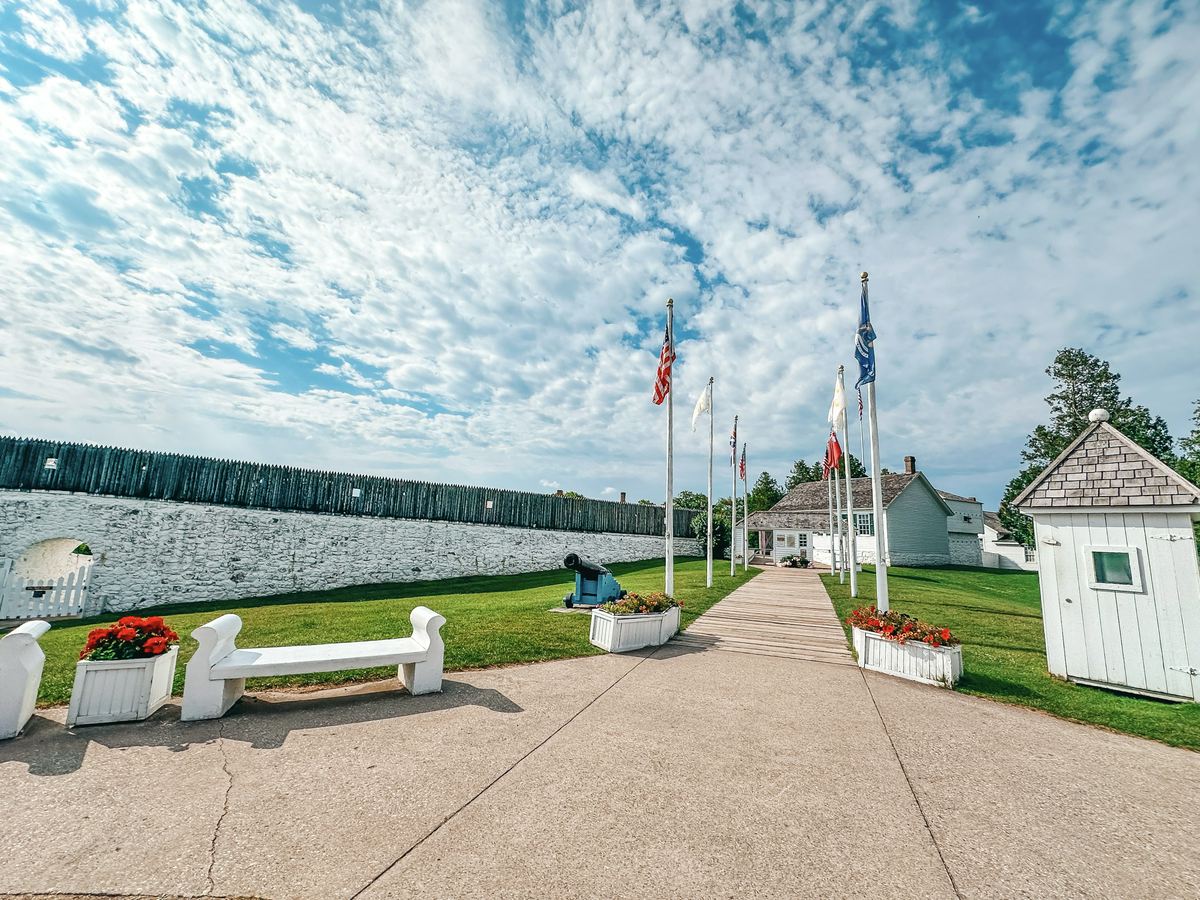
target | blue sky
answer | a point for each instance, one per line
(436, 239)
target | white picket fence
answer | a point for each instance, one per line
(31, 598)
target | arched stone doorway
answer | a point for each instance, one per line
(48, 580)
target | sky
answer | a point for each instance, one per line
(435, 240)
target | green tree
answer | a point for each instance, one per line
(691, 500)
(802, 472)
(1082, 382)
(573, 495)
(765, 493)
(1188, 460)
(722, 530)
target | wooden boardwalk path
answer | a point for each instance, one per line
(782, 612)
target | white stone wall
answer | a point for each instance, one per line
(151, 552)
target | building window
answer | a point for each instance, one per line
(802, 541)
(967, 519)
(1030, 554)
(864, 523)
(1113, 568)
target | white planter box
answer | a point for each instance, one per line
(916, 661)
(616, 634)
(120, 690)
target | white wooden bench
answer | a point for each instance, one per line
(21, 661)
(216, 674)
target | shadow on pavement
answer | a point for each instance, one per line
(264, 722)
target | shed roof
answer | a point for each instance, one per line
(946, 495)
(1103, 467)
(992, 520)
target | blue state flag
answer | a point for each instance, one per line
(864, 342)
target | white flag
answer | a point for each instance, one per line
(702, 407)
(837, 409)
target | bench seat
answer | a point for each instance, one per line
(217, 672)
(318, 658)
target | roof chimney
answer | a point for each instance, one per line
(910, 465)
(622, 496)
(558, 493)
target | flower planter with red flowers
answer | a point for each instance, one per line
(125, 672)
(635, 621)
(900, 645)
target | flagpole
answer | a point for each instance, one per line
(851, 525)
(733, 502)
(837, 495)
(670, 523)
(829, 497)
(881, 583)
(711, 417)
(745, 515)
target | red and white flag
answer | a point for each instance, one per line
(742, 465)
(833, 453)
(666, 358)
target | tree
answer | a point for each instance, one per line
(802, 472)
(573, 495)
(645, 502)
(1082, 382)
(721, 527)
(691, 500)
(765, 493)
(1188, 461)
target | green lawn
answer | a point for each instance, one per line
(997, 615)
(490, 620)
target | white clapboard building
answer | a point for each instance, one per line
(916, 515)
(1117, 565)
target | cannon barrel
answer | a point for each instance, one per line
(577, 563)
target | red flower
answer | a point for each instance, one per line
(129, 622)
(945, 634)
(126, 634)
(155, 645)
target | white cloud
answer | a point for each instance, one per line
(475, 232)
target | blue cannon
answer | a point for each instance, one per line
(594, 584)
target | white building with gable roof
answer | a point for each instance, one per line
(1117, 565)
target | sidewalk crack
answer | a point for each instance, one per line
(911, 789)
(487, 787)
(212, 849)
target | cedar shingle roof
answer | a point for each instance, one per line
(992, 521)
(946, 495)
(810, 496)
(1105, 468)
(769, 519)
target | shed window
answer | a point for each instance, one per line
(1113, 568)
(865, 523)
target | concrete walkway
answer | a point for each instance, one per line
(734, 762)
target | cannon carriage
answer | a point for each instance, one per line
(594, 584)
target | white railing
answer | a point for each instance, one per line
(45, 598)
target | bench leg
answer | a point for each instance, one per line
(423, 677)
(206, 699)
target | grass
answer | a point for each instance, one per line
(997, 616)
(490, 621)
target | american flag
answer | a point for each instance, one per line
(742, 465)
(666, 358)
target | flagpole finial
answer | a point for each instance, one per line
(863, 276)
(671, 302)
(710, 379)
(841, 369)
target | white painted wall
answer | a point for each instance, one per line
(1004, 554)
(1142, 639)
(151, 552)
(916, 523)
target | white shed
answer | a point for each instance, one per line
(1117, 564)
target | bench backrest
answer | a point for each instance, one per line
(427, 626)
(216, 639)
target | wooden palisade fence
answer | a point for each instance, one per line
(39, 465)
